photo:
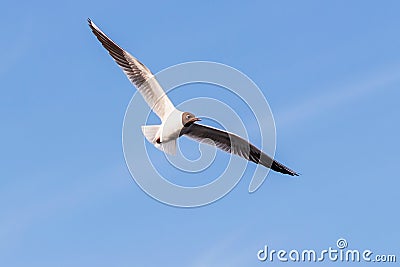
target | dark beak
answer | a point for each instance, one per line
(192, 121)
(195, 119)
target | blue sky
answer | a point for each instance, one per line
(330, 71)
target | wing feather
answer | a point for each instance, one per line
(138, 74)
(234, 144)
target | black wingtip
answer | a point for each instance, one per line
(278, 167)
(89, 21)
(293, 173)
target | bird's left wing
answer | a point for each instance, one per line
(138, 74)
(234, 144)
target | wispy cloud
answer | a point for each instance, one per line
(15, 223)
(332, 98)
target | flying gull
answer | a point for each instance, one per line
(176, 123)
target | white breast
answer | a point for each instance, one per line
(171, 127)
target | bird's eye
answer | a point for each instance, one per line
(187, 116)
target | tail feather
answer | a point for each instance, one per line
(151, 131)
(168, 147)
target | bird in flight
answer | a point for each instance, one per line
(176, 123)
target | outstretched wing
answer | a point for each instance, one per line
(234, 144)
(138, 74)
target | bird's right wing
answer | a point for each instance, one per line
(234, 144)
(138, 74)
